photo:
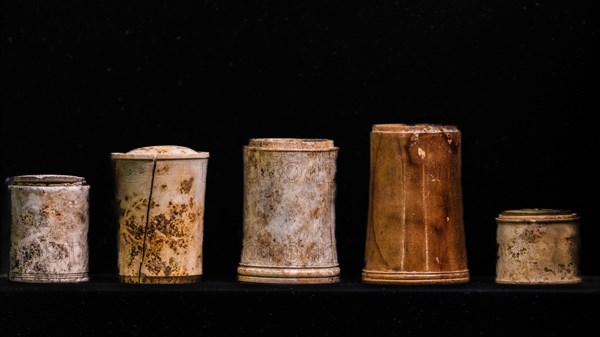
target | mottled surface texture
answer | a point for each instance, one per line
(415, 228)
(537, 246)
(49, 230)
(160, 197)
(289, 214)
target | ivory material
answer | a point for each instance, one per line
(160, 199)
(49, 229)
(289, 212)
(415, 230)
(537, 246)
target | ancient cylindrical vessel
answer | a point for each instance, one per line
(537, 246)
(160, 201)
(415, 231)
(49, 229)
(289, 212)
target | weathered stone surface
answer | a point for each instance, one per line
(537, 246)
(415, 231)
(160, 198)
(48, 239)
(289, 212)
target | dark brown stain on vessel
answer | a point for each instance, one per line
(186, 186)
(162, 169)
(171, 228)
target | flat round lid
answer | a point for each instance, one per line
(537, 215)
(416, 128)
(47, 180)
(291, 144)
(161, 152)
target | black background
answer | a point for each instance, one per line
(81, 80)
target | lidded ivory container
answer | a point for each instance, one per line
(160, 200)
(537, 246)
(49, 229)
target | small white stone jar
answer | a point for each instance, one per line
(49, 229)
(537, 246)
(289, 212)
(160, 201)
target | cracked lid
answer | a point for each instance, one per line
(161, 152)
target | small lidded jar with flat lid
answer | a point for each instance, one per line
(537, 246)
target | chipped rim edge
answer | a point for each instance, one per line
(46, 180)
(414, 128)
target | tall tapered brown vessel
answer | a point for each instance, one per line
(415, 231)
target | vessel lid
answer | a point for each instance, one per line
(416, 128)
(291, 144)
(46, 180)
(161, 152)
(537, 215)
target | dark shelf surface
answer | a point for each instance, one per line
(478, 285)
(225, 307)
